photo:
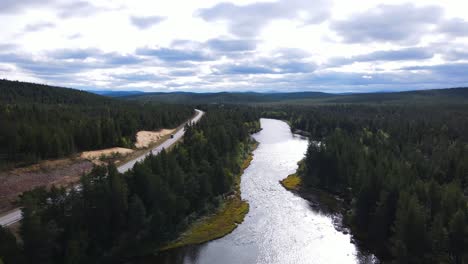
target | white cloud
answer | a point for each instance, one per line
(235, 45)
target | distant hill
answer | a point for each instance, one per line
(446, 96)
(24, 92)
(226, 97)
(117, 93)
(450, 95)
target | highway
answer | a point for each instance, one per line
(15, 215)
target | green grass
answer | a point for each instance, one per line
(292, 182)
(223, 222)
(230, 214)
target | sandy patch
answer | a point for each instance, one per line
(146, 138)
(97, 154)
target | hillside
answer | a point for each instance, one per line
(15, 92)
(225, 97)
(447, 96)
(451, 95)
(43, 122)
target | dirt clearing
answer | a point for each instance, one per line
(96, 155)
(146, 138)
(62, 172)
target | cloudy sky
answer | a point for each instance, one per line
(242, 45)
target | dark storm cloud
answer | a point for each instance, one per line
(146, 22)
(38, 26)
(247, 20)
(386, 55)
(174, 55)
(388, 23)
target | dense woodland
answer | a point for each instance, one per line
(449, 96)
(115, 215)
(42, 122)
(402, 170)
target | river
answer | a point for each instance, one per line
(280, 227)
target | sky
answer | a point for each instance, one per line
(243, 45)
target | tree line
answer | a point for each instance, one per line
(115, 215)
(402, 170)
(42, 122)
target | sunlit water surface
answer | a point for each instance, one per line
(280, 226)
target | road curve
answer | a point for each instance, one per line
(166, 144)
(15, 215)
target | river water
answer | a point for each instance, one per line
(280, 226)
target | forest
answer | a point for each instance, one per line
(114, 215)
(42, 122)
(437, 96)
(402, 171)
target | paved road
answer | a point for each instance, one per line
(166, 144)
(11, 218)
(15, 215)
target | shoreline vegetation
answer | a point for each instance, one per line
(320, 201)
(227, 217)
(292, 182)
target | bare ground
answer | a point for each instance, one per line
(67, 171)
(146, 138)
(62, 172)
(96, 155)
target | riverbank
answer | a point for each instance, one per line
(292, 182)
(328, 204)
(319, 200)
(229, 215)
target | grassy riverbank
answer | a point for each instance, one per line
(231, 213)
(292, 182)
(325, 203)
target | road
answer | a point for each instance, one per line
(166, 144)
(15, 215)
